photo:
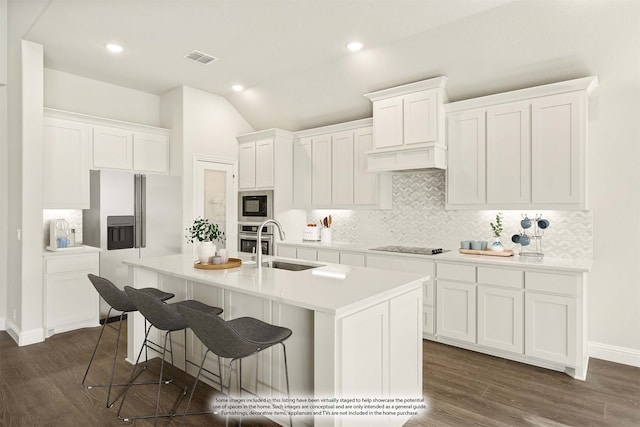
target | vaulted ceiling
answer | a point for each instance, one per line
(290, 55)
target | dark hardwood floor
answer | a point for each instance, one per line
(40, 386)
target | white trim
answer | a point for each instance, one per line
(587, 84)
(2, 324)
(103, 121)
(23, 338)
(434, 83)
(338, 127)
(612, 353)
(268, 133)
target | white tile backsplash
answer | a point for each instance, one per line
(418, 218)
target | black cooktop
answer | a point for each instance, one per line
(410, 250)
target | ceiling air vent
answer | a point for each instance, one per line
(200, 57)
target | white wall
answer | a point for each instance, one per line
(209, 126)
(64, 91)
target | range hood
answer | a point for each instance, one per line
(409, 127)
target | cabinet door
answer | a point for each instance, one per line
(112, 148)
(420, 117)
(509, 153)
(247, 165)
(365, 184)
(466, 158)
(328, 256)
(342, 169)
(321, 170)
(65, 164)
(286, 251)
(456, 310)
(306, 253)
(302, 172)
(70, 298)
(264, 163)
(150, 152)
(558, 147)
(500, 318)
(387, 115)
(550, 328)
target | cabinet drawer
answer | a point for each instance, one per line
(329, 256)
(63, 264)
(500, 277)
(551, 282)
(286, 251)
(458, 272)
(349, 258)
(428, 325)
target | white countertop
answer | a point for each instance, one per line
(546, 263)
(76, 250)
(361, 287)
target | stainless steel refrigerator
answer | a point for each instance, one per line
(132, 216)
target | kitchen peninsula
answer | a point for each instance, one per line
(357, 332)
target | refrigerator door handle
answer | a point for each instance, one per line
(143, 211)
(137, 210)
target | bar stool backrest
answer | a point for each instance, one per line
(162, 316)
(216, 335)
(115, 297)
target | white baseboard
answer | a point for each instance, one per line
(22, 338)
(626, 356)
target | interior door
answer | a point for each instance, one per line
(216, 198)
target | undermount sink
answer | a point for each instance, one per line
(291, 266)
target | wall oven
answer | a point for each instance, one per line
(248, 238)
(255, 206)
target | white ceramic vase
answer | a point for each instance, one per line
(206, 252)
(496, 245)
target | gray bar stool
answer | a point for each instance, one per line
(234, 339)
(118, 300)
(164, 317)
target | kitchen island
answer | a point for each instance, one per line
(357, 332)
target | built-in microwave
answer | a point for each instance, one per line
(255, 206)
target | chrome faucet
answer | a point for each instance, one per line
(259, 242)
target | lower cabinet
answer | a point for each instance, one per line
(500, 318)
(550, 327)
(71, 301)
(456, 308)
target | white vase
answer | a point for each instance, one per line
(206, 252)
(496, 245)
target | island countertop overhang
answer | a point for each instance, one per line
(361, 287)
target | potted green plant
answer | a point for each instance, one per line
(204, 233)
(496, 245)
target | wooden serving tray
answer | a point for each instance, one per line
(232, 263)
(506, 252)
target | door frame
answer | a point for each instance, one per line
(232, 222)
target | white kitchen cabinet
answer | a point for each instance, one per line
(365, 183)
(112, 148)
(466, 177)
(500, 318)
(321, 170)
(286, 251)
(342, 168)
(247, 165)
(328, 256)
(533, 143)
(256, 164)
(456, 310)
(409, 126)
(302, 166)
(307, 254)
(558, 137)
(352, 258)
(508, 155)
(71, 301)
(551, 328)
(150, 152)
(65, 164)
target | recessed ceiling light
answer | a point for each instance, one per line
(354, 46)
(237, 88)
(114, 48)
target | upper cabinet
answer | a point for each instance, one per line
(65, 164)
(262, 157)
(330, 168)
(118, 145)
(520, 150)
(409, 127)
